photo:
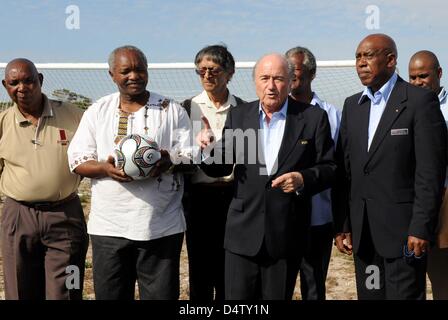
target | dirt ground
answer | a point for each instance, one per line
(340, 280)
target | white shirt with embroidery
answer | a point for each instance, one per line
(141, 209)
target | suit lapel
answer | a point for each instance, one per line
(362, 125)
(252, 122)
(293, 129)
(393, 109)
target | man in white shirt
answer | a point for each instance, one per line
(425, 72)
(314, 265)
(136, 227)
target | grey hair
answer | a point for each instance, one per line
(309, 60)
(218, 54)
(289, 66)
(112, 55)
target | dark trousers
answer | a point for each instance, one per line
(438, 272)
(206, 219)
(37, 248)
(314, 265)
(260, 277)
(119, 262)
(398, 279)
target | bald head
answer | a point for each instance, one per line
(383, 41)
(23, 84)
(426, 56)
(376, 60)
(277, 58)
(425, 70)
(272, 76)
(21, 63)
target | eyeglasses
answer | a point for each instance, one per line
(212, 71)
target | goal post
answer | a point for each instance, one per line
(86, 82)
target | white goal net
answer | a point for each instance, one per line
(85, 82)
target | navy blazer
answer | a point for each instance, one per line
(398, 183)
(259, 212)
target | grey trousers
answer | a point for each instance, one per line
(43, 249)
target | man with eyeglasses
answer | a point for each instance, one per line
(208, 198)
(392, 155)
(425, 72)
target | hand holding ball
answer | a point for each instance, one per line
(136, 155)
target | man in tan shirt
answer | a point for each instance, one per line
(43, 232)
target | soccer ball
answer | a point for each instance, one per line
(136, 155)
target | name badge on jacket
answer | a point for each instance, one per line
(399, 132)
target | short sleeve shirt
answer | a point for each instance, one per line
(34, 165)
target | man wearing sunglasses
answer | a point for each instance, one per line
(208, 198)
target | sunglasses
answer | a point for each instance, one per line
(211, 71)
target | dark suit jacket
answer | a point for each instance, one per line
(399, 181)
(257, 211)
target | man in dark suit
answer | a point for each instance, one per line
(392, 156)
(283, 154)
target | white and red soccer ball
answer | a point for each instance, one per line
(136, 155)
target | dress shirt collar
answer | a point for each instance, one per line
(316, 100)
(282, 112)
(381, 95)
(203, 98)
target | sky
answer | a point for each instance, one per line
(173, 31)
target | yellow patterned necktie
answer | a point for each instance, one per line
(122, 126)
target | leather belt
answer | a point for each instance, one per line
(48, 205)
